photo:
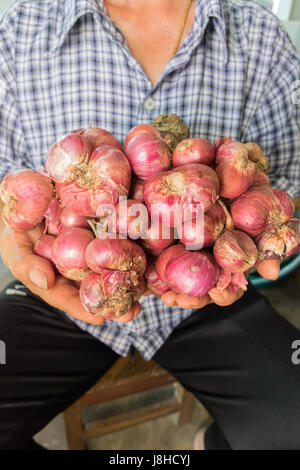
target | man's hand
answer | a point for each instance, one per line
(38, 275)
(268, 269)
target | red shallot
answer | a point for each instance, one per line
(259, 208)
(157, 238)
(235, 251)
(175, 195)
(68, 253)
(26, 195)
(234, 169)
(153, 280)
(148, 154)
(98, 183)
(193, 151)
(109, 294)
(195, 235)
(118, 255)
(43, 247)
(193, 273)
(278, 242)
(141, 129)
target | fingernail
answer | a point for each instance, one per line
(38, 278)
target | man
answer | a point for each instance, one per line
(66, 64)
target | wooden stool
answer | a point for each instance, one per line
(126, 377)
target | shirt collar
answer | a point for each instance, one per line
(69, 11)
(206, 9)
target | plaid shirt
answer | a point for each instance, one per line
(65, 65)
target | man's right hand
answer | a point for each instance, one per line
(38, 275)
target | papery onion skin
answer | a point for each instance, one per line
(238, 281)
(260, 179)
(183, 189)
(141, 129)
(43, 247)
(137, 190)
(157, 238)
(68, 253)
(230, 281)
(172, 128)
(109, 294)
(107, 177)
(106, 294)
(220, 141)
(234, 169)
(195, 150)
(95, 137)
(286, 202)
(148, 154)
(235, 251)
(256, 209)
(223, 282)
(256, 155)
(278, 242)
(153, 280)
(117, 254)
(199, 237)
(26, 195)
(193, 273)
(65, 155)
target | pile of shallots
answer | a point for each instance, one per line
(164, 212)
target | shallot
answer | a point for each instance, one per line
(193, 151)
(153, 280)
(109, 294)
(172, 128)
(195, 235)
(235, 251)
(193, 273)
(118, 255)
(157, 238)
(234, 169)
(43, 247)
(98, 183)
(141, 129)
(278, 242)
(259, 208)
(137, 190)
(176, 195)
(130, 218)
(26, 195)
(68, 253)
(148, 154)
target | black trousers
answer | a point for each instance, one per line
(237, 361)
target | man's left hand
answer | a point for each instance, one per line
(268, 269)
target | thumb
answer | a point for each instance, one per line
(269, 269)
(30, 268)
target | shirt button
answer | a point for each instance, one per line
(149, 103)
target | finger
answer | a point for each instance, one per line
(269, 269)
(64, 296)
(30, 268)
(226, 297)
(169, 298)
(185, 301)
(132, 313)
